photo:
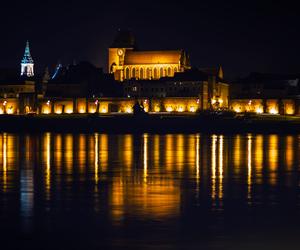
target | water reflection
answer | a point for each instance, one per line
(142, 176)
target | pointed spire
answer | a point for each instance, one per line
(27, 56)
(27, 63)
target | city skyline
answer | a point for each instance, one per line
(241, 37)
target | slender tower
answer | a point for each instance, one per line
(27, 63)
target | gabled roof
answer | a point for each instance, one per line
(153, 57)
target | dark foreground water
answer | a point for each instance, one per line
(175, 191)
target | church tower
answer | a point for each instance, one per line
(123, 42)
(27, 63)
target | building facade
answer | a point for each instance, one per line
(266, 93)
(126, 62)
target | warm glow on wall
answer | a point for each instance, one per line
(1, 111)
(92, 110)
(104, 110)
(157, 109)
(81, 110)
(213, 101)
(10, 110)
(180, 109)
(69, 110)
(273, 111)
(289, 110)
(128, 110)
(259, 110)
(169, 109)
(192, 109)
(237, 109)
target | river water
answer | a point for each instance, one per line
(149, 191)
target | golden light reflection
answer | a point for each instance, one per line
(213, 166)
(221, 167)
(180, 151)
(289, 155)
(145, 157)
(158, 199)
(169, 152)
(82, 151)
(259, 156)
(96, 159)
(103, 154)
(156, 152)
(58, 151)
(4, 162)
(237, 154)
(47, 153)
(117, 201)
(249, 161)
(128, 151)
(68, 153)
(197, 161)
(273, 158)
(191, 151)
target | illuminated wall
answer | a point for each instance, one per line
(125, 63)
(245, 105)
(176, 105)
(63, 107)
(270, 106)
(9, 106)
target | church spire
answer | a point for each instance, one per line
(27, 63)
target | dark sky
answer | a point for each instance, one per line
(242, 37)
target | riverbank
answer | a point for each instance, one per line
(165, 123)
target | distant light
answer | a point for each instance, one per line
(10, 110)
(259, 110)
(237, 110)
(69, 111)
(169, 109)
(104, 110)
(157, 109)
(273, 111)
(129, 110)
(180, 109)
(192, 109)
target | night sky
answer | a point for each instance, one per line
(242, 37)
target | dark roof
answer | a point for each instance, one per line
(83, 79)
(191, 75)
(267, 77)
(12, 77)
(124, 39)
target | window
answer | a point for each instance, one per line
(161, 72)
(141, 73)
(155, 73)
(149, 73)
(169, 72)
(127, 76)
(133, 73)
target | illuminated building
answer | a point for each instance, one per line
(266, 93)
(27, 63)
(126, 62)
(17, 94)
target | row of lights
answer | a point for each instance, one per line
(259, 110)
